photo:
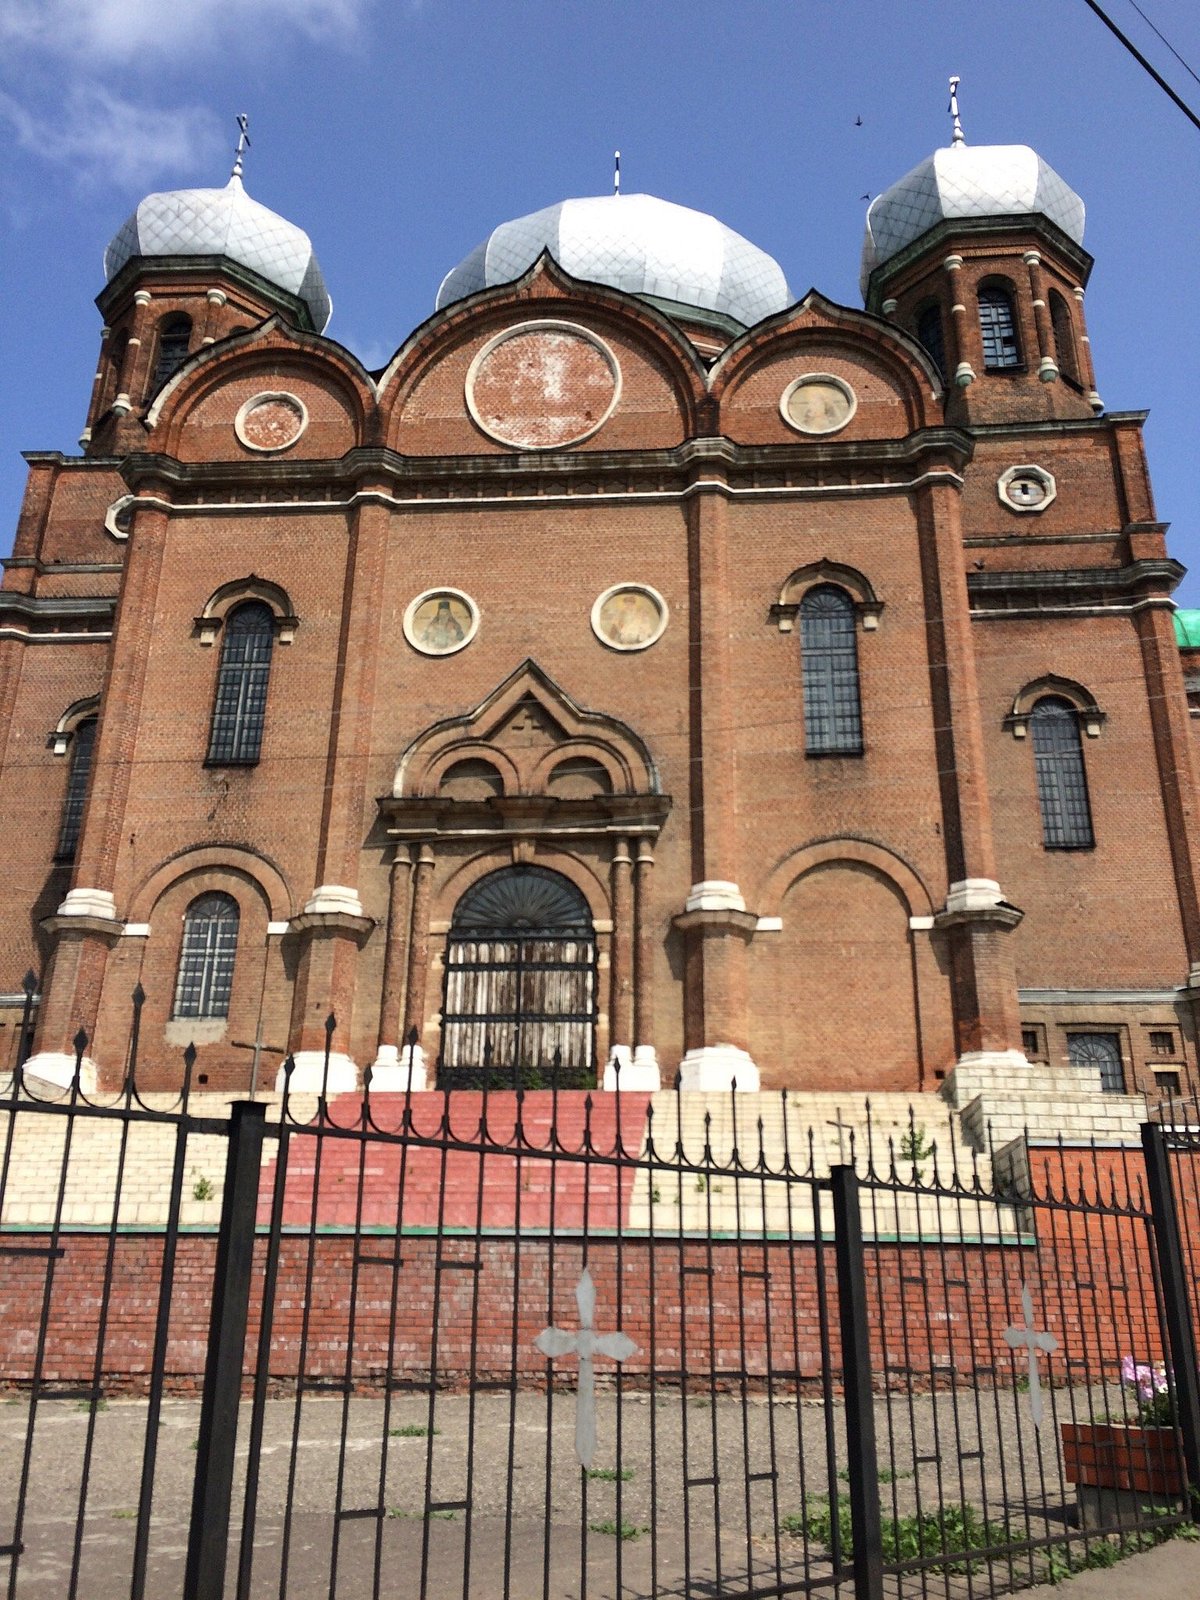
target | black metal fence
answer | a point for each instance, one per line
(531, 1344)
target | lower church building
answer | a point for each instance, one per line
(650, 678)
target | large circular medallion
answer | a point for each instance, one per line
(441, 621)
(542, 385)
(629, 616)
(818, 403)
(270, 422)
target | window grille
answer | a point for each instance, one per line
(1169, 1083)
(929, 332)
(1162, 1042)
(210, 932)
(1029, 1041)
(174, 336)
(239, 710)
(1064, 337)
(998, 325)
(1101, 1050)
(83, 742)
(829, 661)
(1061, 779)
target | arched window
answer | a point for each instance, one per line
(998, 324)
(174, 336)
(929, 332)
(210, 932)
(519, 1006)
(829, 662)
(1061, 778)
(1064, 337)
(83, 742)
(242, 679)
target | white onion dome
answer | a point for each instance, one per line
(987, 180)
(636, 243)
(224, 222)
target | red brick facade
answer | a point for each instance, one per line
(845, 920)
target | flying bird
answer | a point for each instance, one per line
(858, 122)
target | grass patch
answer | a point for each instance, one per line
(608, 1474)
(412, 1430)
(124, 1516)
(954, 1530)
(886, 1475)
(92, 1405)
(622, 1530)
(420, 1516)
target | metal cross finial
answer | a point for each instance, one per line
(952, 108)
(1033, 1342)
(243, 143)
(585, 1344)
(616, 172)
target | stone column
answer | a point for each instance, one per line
(620, 1004)
(131, 383)
(645, 1057)
(1087, 367)
(390, 1069)
(965, 360)
(418, 952)
(1047, 354)
(714, 918)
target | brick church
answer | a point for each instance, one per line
(649, 678)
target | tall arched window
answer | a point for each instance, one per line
(519, 1005)
(829, 662)
(210, 932)
(242, 680)
(1064, 337)
(998, 325)
(929, 332)
(1061, 778)
(174, 336)
(83, 742)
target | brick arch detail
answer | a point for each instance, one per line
(855, 583)
(576, 870)
(1051, 684)
(246, 865)
(830, 852)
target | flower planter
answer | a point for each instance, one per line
(1122, 1456)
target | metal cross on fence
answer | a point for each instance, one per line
(585, 1344)
(1033, 1342)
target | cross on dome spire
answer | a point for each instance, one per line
(243, 143)
(616, 172)
(958, 136)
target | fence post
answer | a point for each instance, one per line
(1181, 1336)
(862, 1464)
(208, 1535)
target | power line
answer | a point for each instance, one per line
(1158, 33)
(1141, 60)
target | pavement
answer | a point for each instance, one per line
(1170, 1572)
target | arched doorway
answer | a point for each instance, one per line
(519, 1000)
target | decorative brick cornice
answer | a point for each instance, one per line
(1075, 589)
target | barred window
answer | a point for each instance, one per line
(1102, 1050)
(83, 742)
(829, 661)
(242, 679)
(210, 931)
(174, 336)
(929, 332)
(998, 324)
(1061, 778)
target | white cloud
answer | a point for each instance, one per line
(102, 137)
(105, 32)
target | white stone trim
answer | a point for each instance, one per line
(58, 1068)
(540, 325)
(335, 898)
(921, 924)
(121, 503)
(278, 928)
(136, 930)
(664, 616)
(638, 1069)
(973, 894)
(715, 894)
(769, 925)
(390, 1070)
(83, 902)
(419, 600)
(309, 1075)
(239, 422)
(715, 1067)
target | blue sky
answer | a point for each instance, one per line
(398, 132)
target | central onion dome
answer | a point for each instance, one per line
(225, 222)
(636, 243)
(988, 180)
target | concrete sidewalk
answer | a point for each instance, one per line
(1169, 1572)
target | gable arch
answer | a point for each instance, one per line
(237, 592)
(65, 728)
(248, 865)
(577, 869)
(860, 852)
(867, 605)
(1050, 685)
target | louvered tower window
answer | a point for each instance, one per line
(210, 933)
(242, 680)
(1061, 778)
(929, 332)
(1064, 337)
(829, 659)
(83, 742)
(998, 325)
(519, 1003)
(174, 336)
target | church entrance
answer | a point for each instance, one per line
(519, 1001)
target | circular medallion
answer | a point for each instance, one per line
(1027, 488)
(629, 616)
(818, 403)
(270, 422)
(441, 621)
(542, 385)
